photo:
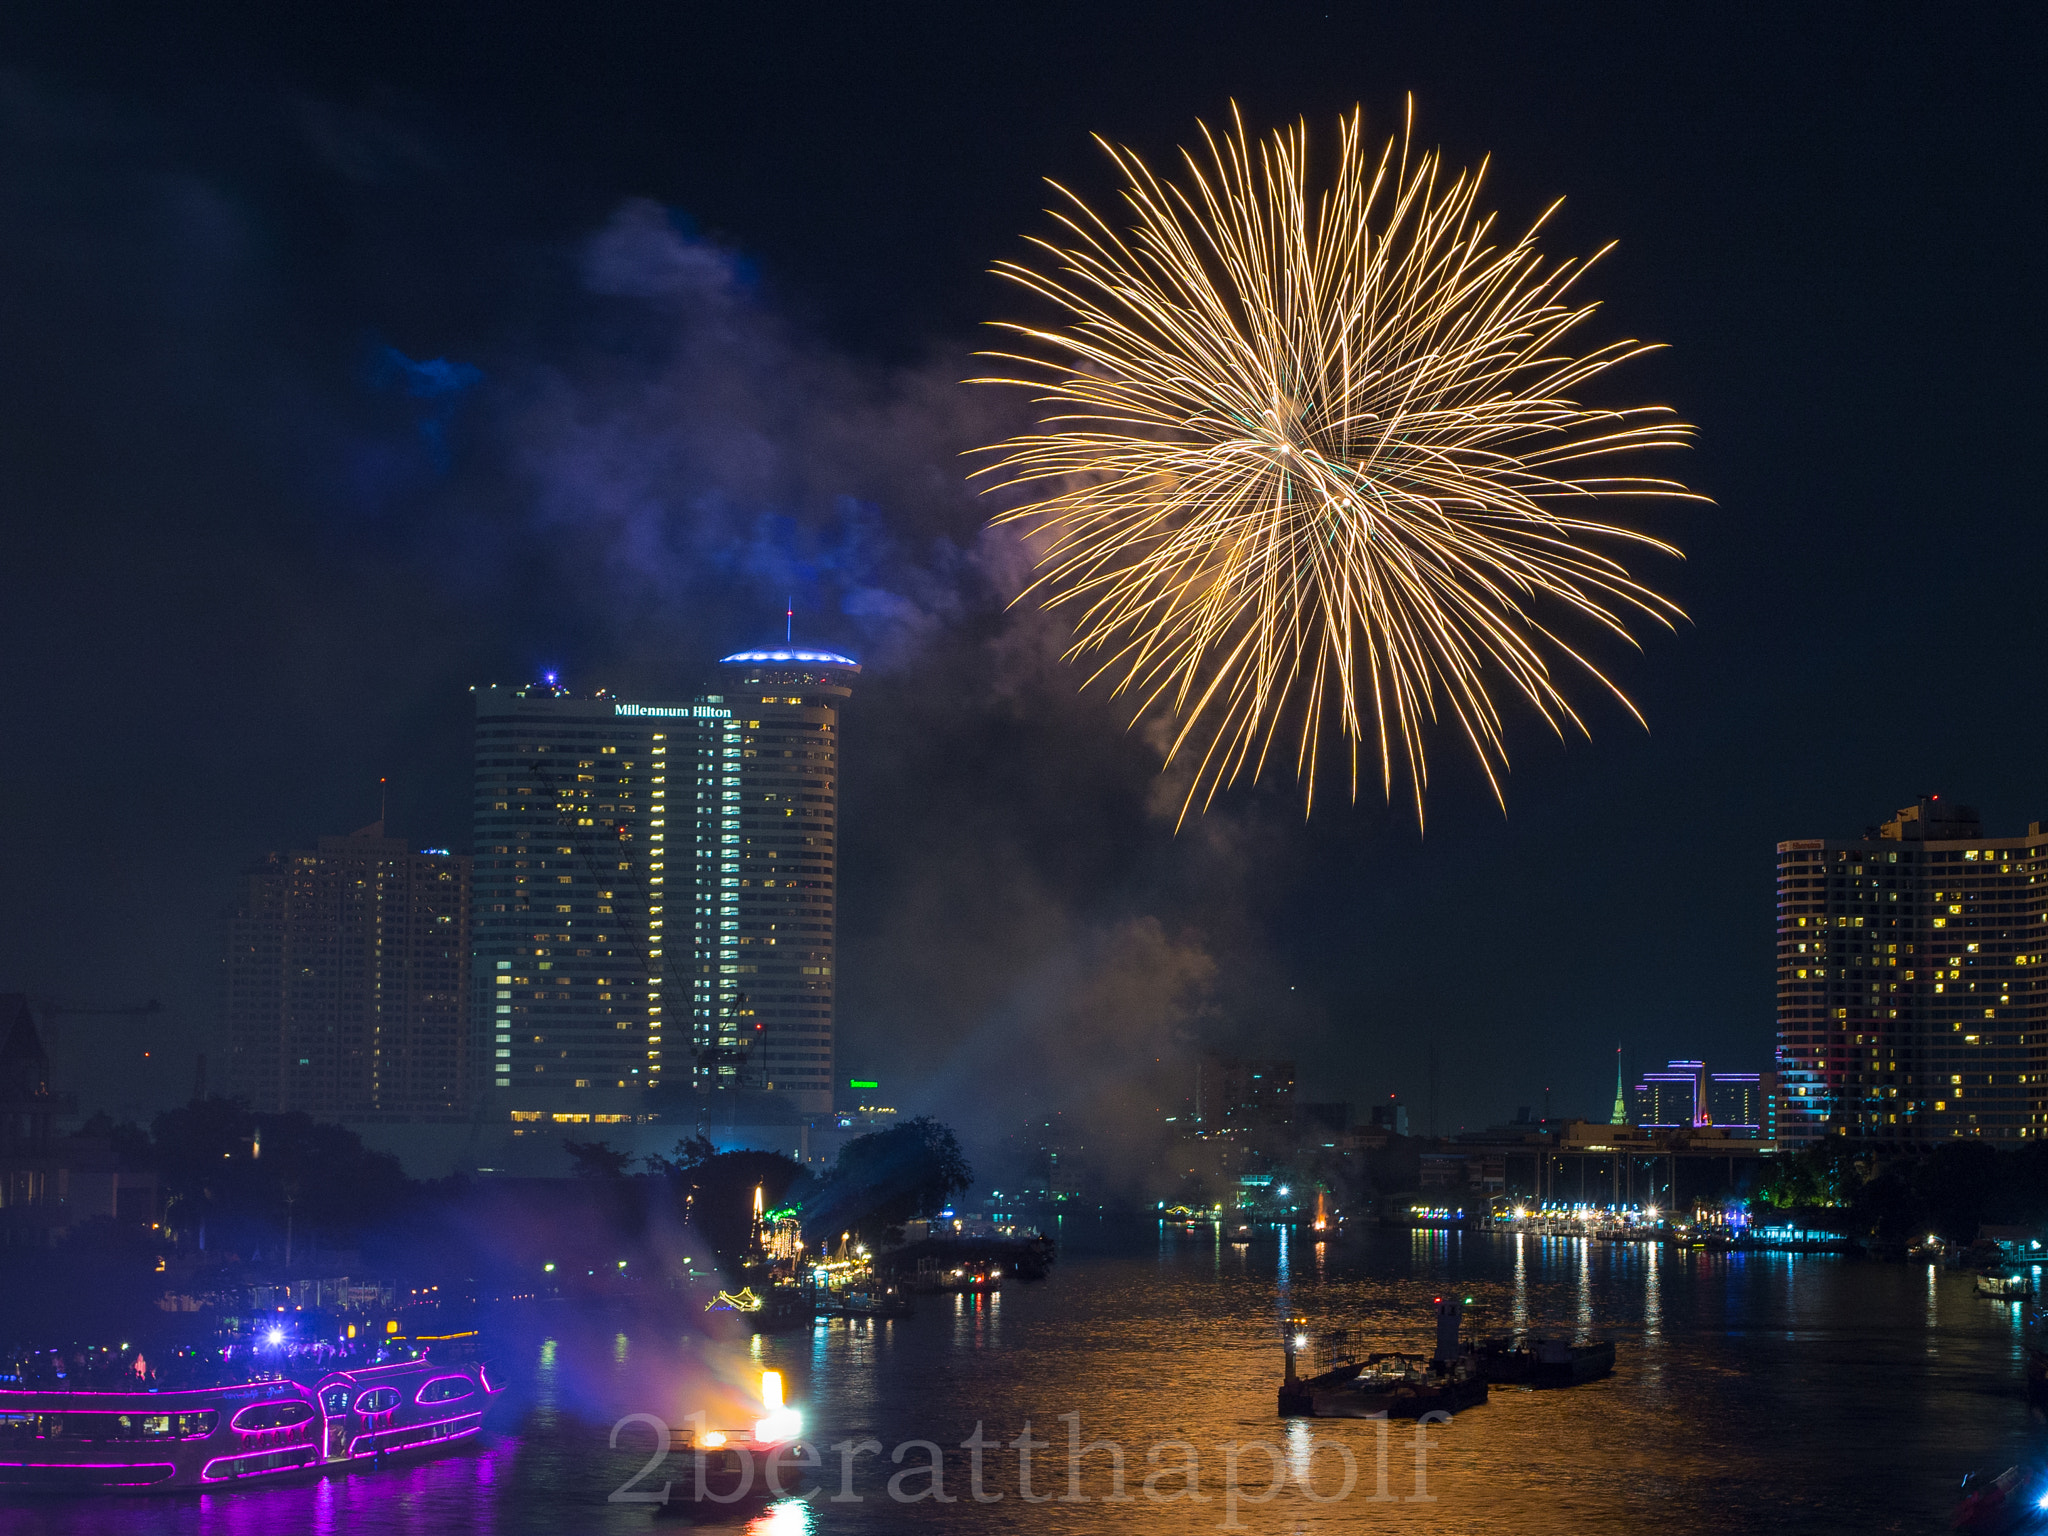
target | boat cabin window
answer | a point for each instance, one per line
(259, 1416)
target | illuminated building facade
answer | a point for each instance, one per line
(1744, 1103)
(1910, 1000)
(767, 1023)
(344, 982)
(587, 816)
(1686, 1096)
(654, 902)
(1671, 1099)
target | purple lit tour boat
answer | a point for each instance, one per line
(89, 1431)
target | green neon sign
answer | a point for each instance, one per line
(855, 1082)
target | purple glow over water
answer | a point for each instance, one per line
(1753, 1393)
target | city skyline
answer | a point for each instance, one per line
(440, 397)
(607, 851)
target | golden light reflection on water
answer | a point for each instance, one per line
(1753, 1393)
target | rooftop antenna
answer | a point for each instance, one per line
(789, 624)
(383, 796)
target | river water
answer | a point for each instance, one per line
(1752, 1393)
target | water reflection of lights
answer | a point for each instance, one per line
(976, 1315)
(1653, 1290)
(785, 1517)
(1300, 1449)
(1585, 1258)
(1521, 1311)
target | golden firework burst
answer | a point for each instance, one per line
(1312, 460)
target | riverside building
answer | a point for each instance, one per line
(653, 898)
(1911, 1000)
(776, 968)
(343, 982)
(1685, 1096)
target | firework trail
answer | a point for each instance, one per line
(1311, 462)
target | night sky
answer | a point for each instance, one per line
(350, 356)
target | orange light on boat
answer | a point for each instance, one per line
(782, 1423)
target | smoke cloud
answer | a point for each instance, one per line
(626, 459)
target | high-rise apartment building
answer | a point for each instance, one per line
(344, 989)
(1910, 995)
(1241, 1092)
(654, 892)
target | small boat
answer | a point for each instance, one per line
(264, 1420)
(774, 1309)
(738, 1469)
(874, 1302)
(2014, 1286)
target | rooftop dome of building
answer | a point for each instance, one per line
(789, 654)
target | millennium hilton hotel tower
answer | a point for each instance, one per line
(654, 893)
(1912, 1000)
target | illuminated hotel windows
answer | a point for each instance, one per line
(745, 1022)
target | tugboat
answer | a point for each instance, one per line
(1399, 1386)
(105, 1421)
